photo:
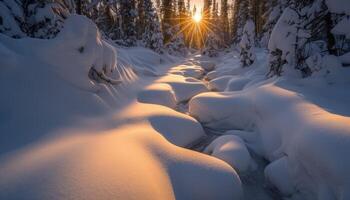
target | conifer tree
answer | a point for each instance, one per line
(128, 25)
(247, 53)
(152, 37)
(224, 23)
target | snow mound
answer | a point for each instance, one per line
(184, 88)
(232, 150)
(277, 173)
(237, 83)
(219, 84)
(144, 61)
(193, 71)
(113, 164)
(207, 65)
(214, 110)
(314, 141)
(180, 129)
(159, 93)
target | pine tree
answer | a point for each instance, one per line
(152, 37)
(44, 19)
(224, 23)
(128, 25)
(247, 53)
(167, 13)
(141, 21)
(241, 15)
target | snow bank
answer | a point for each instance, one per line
(180, 129)
(159, 93)
(193, 71)
(76, 50)
(232, 150)
(183, 87)
(214, 110)
(115, 164)
(219, 84)
(314, 141)
(278, 174)
(237, 83)
(51, 84)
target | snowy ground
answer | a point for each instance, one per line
(205, 128)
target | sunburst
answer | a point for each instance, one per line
(196, 28)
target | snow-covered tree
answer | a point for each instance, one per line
(241, 15)
(128, 24)
(12, 18)
(211, 48)
(247, 54)
(224, 24)
(44, 19)
(152, 37)
(167, 13)
(177, 45)
(285, 42)
(272, 14)
(39, 19)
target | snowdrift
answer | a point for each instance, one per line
(313, 142)
(131, 162)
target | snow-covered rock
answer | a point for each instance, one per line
(214, 110)
(179, 129)
(219, 84)
(207, 65)
(237, 83)
(183, 87)
(193, 71)
(315, 141)
(277, 173)
(232, 150)
(159, 93)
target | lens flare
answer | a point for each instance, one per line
(197, 17)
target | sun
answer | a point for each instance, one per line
(197, 17)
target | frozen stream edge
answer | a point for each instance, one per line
(253, 184)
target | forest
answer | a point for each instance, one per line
(175, 99)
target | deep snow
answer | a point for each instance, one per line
(120, 133)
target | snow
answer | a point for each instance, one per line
(342, 28)
(247, 44)
(278, 174)
(237, 83)
(219, 84)
(308, 135)
(159, 93)
(81, 118)
(67, 135)
(188, 71)
(338, 6)
(232, 150)
(115, 164)
(184, 88)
